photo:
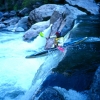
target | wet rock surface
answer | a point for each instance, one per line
(84, 5)
(51, 94)
(77, 69)
(78, 80)
(95, 87)
(86, 53)
(44, 12)
(80, 56)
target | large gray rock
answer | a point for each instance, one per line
(88, 5)
(35, 30)
(11, 21)
(10, 24)
(23, 23)
(56, 14)
(17, 24)
(74, 12)
(64, 23)
(55, 19)
(86, 52)
(44, 12)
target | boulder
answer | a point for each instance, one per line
(10, 28)
(19, 29)
(9, 14)
(84, 5)
(23, 12)
(56, 19)
(83, 54)
(23, 23)
(12, 13)
(74, 12)
(11, 21)
(6, 14)
(95, 87)
(78, 80)
(2, 25)
(17, 24)
(50, 94)
(44, 12)
(64, 22)
(35, 30)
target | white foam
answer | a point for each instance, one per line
(40, 42)
(71, 94)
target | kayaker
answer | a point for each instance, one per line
(55, 38)
(58, 39)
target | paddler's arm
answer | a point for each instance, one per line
(53, 36)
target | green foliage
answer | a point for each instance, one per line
(15, 7)
(45, 1)
(19, 4)
(26, 3)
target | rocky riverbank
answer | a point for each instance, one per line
(18, 21)
(79, 69)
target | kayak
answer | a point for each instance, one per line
(45, 52)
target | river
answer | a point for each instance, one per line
(20, 77)
(16, 72)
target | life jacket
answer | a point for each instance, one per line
(59, 41)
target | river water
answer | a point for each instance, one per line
(16, 72)
(21, 77)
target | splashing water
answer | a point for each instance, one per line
(71, 94)
(16, 72)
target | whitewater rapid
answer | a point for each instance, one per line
(19, 75)
(16, 72)
(20, 78)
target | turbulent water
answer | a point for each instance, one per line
(20, 78)
(16, 72)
